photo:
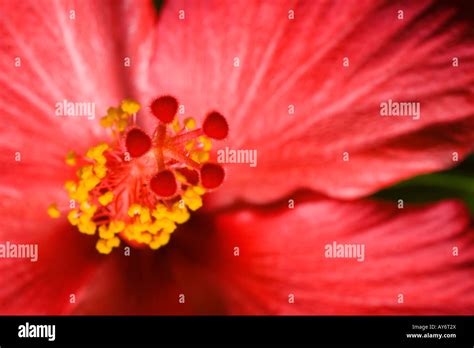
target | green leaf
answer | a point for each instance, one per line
(455, 183)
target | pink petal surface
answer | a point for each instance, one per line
(80, 60)
(407, 251)
(281, 252)
(300, 62)
(74, 56)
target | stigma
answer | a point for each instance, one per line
(139, 187)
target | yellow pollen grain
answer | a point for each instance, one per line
(80, 194)
(70, 186)
(192, 199)
(88, 208)
(73, 217)
(164, 238)
(189, 145)
(105, 233)
(71, 158)
(113, 242)
(122, 125)
(53, 211)
(175, 124)
(85, 172)
(190, 123)
(106, 121)
(145, 215)
(87, 227)
(96, 153)
(117, 226)
(130, 106)
(100, 171)
(106, 198)
(91, 182)
(206, 143)
(102, 247)
(135, 209)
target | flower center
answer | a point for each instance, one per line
(139, 187)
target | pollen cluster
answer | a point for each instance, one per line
(138, 187)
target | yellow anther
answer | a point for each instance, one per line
(130, 106)
(200, 156)
(192, 199)
(105, 233)
(199, 190)
(106, 198)
(190, 123)
(81, 194)
(88, 209)
(122, 125)
(138, 227)
(70, 186)
(96, 153)
(160, 211)
(155, 244)
(73, 217)
(116, 226)
(166, 225)
(114, 113)
(129, 233)
(175, 124)
(100, 171)
(159, 241)
(206, 143)
(91, 182)
(145, 238)
(87, 227)
(53, 211)
(164, 238)
(154, 228)
(179, 214)
(189, 145)
(86, 172)
(180, 177)
(103, 247)
(113, 242)
(135, 209)
(84, 218)
(106, 121)
(101, 160)
(145, 215)
(71, 158)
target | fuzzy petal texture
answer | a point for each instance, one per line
(254, 64)
(281, 251)
(408, 252)
(53, 51)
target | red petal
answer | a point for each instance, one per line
(65, 258)
(283, 62)
(407, 251)
(77, 60)
(151, 282)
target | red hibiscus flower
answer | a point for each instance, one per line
(302, 84)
